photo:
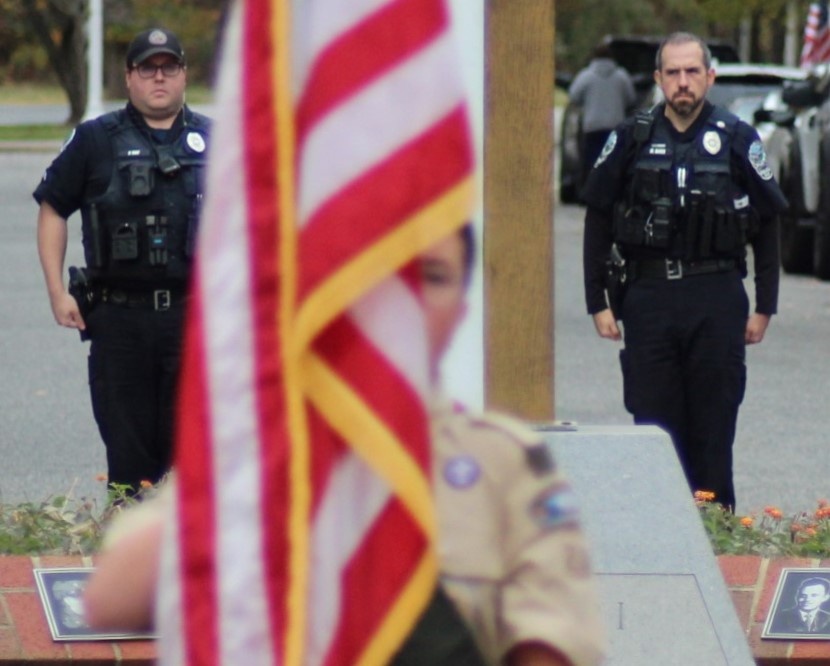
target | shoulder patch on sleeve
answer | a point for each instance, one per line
(555, 507)
(758, 159)
(607, 149)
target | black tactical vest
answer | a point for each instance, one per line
(143, 228)
(682, 199)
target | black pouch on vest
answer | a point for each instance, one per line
(628, 224)
(141, 180)
(727, 231)
(125, 242)
(658, 226)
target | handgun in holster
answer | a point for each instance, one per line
(616, 280)
(81, 289)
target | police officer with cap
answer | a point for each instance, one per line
(136, 176)
(678, 193)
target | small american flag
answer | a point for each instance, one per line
(304, 526)
(816, 36)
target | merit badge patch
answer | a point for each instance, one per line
(195, 142)
(711, 142)
(607, 149)
(462, 471)
(555, 507)
(758, 159)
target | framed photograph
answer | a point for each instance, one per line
(61, 593)
(800, 608)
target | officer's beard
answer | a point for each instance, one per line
(685, 105)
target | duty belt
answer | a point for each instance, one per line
(677, 269)
(154, 299)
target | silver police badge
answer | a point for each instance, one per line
(758, 159)
(157, 37)
(607, 149)
(711, 142)
(195, 142)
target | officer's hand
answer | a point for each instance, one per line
(756, 326)
(66, 312)
(606, 325)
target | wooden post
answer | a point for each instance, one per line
(518, 207)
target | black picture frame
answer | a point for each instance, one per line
(60, 591)
(798, 592)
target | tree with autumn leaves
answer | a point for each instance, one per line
(45, 40)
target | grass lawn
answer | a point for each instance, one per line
(27, 93)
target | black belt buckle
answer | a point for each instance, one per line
(674, 269)
(161, 299)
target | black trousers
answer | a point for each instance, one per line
(134, 362)
(684, 369)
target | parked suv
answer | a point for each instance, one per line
(799, 155)
(636, 53)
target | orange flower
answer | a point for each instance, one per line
(822, 503)
(704, 495)
(810, 531)
(100, 477)
(773, 512)
(746, 521)
(146, 484)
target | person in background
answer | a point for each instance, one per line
(677, 194)
(136, 176)
(606, 94)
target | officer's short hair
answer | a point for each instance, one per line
(807, 582)
(683, 38)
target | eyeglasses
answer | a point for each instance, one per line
(148, 71)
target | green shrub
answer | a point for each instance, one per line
(62, 525)
(768, 533)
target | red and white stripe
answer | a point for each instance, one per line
(816, 35)
(305, 369)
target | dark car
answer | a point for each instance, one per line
(636, 54)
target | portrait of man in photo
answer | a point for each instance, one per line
(800, 609)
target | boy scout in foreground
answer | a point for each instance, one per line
(512, 556)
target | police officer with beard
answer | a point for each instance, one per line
(136, 176)
(679, 192)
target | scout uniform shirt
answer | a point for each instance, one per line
(511, 554)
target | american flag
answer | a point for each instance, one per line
(304, 527)
(816, 36)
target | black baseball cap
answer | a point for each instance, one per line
(153, 41)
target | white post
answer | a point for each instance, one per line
(95, 60)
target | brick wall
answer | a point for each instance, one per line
(24, 633)
(752, 581)
(25, 636)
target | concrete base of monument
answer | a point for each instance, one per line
(663, 595)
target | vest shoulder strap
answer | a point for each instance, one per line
(723, 119)
(643, 124)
